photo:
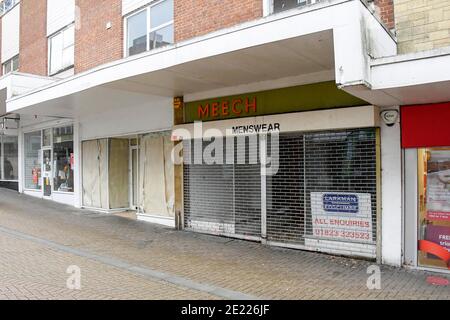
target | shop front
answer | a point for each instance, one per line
(125, 156)
(130, 173)
(9, 162)
(426, 144)
(48, 161)
(295, 167)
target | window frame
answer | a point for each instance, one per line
(149, 30)
(22, 163)
(49, 60)
(2, 157)
(11, 61)
(271, 6)
(4, 9)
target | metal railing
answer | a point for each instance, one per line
(283, 5)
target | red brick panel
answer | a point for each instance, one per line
(94, 43)
(33, 37)
(385, 9)
(199, 17)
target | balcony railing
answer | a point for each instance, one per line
(7, 5)
(283, 5)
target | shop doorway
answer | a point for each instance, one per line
(134, 175)
(47, 172)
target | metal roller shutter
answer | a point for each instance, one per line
(313, 166)
(224, 198)
(341, 163)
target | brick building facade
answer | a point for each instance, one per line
(325, 75)
(33, 37)
(198, 17)
(99, 35)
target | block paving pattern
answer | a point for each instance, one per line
(30, 270)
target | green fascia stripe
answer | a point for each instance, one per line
(309, 97)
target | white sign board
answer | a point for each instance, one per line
(342, 216)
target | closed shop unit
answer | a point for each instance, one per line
(307, 180)
(426, 143)
(322, 197)
(223, 198)
(130, 173)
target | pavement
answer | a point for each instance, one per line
(117, 257)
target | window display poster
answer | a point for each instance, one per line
(342, 216)
(435, 224)
(439, 235)
(438, 192)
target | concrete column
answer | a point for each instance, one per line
(391, 194)
(20, 159)
(77, 181)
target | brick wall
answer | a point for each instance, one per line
(33, 37)
(385, 10)
(198, 17)
(94, 43)
(422, 24)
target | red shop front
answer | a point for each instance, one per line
(426, 144)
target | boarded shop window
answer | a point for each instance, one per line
(32, 159)
(95, 173)
(157, 195)
(118, 173)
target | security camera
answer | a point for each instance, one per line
(389, 117)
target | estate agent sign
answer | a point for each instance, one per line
(342, 216)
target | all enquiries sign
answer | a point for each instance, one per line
(342, 216)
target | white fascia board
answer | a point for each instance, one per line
(19, 83)
(329, 119)
(341, 16)
(411, 69)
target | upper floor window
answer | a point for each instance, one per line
(11, 65)
(150, 28)
(7, 5)
(61, 50)
(282, 5)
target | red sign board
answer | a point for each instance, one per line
(425, 125)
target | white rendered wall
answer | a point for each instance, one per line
(391, 195)
(10, 33)
(139, 115)
(60, 13)
(131, 5)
